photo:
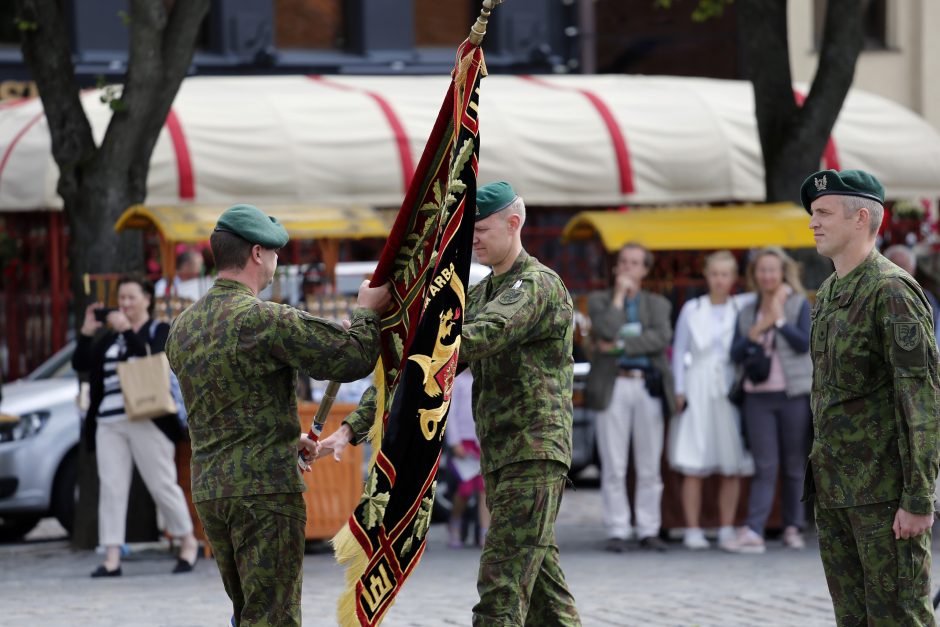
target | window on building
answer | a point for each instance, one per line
(309, 24)
(875, 23)
(443, 24)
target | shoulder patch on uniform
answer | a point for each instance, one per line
(907, 335)
(510, 296)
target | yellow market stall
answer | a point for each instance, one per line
(192, 224)
(695, 228)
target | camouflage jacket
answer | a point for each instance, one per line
(876, 417)
(237, 359)
(517, 339)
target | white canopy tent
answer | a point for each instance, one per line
(562, 141)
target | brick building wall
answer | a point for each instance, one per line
(443, 24)
(315, 24)
(320, 24)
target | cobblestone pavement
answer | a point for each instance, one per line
(43, 582)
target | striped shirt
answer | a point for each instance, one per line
(111, 408)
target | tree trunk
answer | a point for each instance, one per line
(94, 247)
(98, 183)
(792, 137)
(91, 213)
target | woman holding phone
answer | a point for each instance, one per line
(121, 443)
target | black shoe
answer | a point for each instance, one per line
(653, 543)
(101, 571)
(615, 545)
(182, 566)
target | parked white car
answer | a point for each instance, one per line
(39, 435)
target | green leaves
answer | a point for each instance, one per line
(422, 520)
(705, 10)
(26, 26)
(411, 255)
(398, 345)
(111, 95)
(374, 504)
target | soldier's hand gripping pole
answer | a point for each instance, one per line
(316, 428)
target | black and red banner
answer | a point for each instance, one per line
(427, 259)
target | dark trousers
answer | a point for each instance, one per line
(258, 543)
(873, 578)
(779, 431)
(520, 581)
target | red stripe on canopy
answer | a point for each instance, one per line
(184, 164)
(830, 156)
(398, 129)
(616, 135)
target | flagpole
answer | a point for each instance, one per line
(478, 30)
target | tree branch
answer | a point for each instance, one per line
(843, 40)
(179, 42)
(764, 27)
(161, 50)
(144, 69)
(46, 50)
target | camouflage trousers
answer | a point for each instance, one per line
(520, 581)
(873, 578)
(258, 543)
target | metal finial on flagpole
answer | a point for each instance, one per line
(478, 30)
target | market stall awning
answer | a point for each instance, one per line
(194, 223)
(589, 141)
(191, 224)
(695, 228)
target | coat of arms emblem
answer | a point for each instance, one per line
(907, 335)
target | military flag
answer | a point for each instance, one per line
(427, 260)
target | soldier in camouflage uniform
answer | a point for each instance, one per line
(517, 339)
(876, 416)
(237, 359)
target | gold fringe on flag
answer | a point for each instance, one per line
(346, 549)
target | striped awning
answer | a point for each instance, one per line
(589, 141)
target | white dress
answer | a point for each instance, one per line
(705, 438)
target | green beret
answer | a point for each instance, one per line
(250, 223)
(494, 197)
(844, 183)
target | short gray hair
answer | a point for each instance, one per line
(517, 206)
(851, 205)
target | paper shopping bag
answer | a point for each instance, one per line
(145, 384)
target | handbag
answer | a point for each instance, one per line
(653, 379)
(145, 385)
(756, 363)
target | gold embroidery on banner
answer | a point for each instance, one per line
(379, 587)
(440, 366)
